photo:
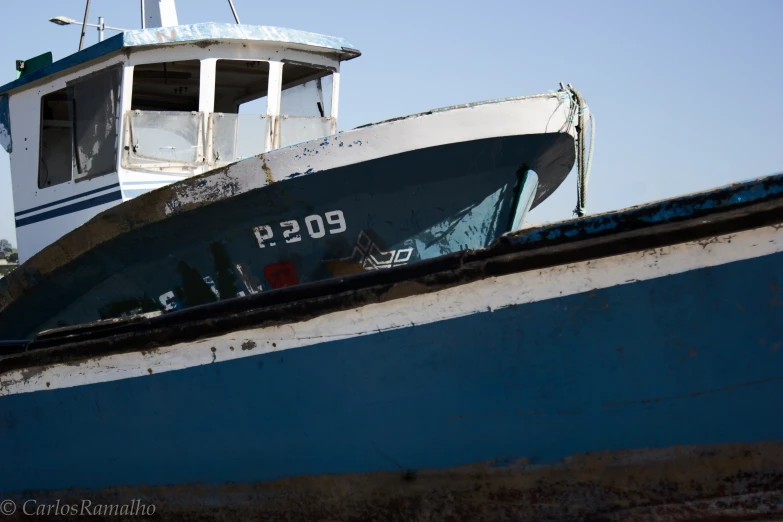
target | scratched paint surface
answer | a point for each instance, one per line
(366, 310)
(5, 124)
(690, 359)
(377, 214)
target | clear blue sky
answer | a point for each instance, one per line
(686, 94)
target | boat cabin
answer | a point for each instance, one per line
(151, 107)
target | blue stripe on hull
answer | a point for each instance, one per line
(70, 209)
(63, 200)
(689, 359)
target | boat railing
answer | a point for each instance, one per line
(298, 129)
(170, 139)
(164, 139)
(233, 137)
(236, 136)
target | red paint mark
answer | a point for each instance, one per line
(280, 275)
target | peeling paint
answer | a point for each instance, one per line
(5, 124)
(409, 299)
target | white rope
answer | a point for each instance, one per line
(589, 153)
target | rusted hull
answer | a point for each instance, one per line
(632, 375)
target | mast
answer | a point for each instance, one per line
(158, 13)
(233, 11)
(84, 25)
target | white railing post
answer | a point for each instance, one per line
(206, 105)
(126, 96)
(335, 99)
(274, 90)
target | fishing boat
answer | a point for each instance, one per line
(142, 184)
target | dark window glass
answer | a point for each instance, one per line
(55, 158)
(169, 86)
(95, 107)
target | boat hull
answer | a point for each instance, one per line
(623, 385)
(379, 196)
(378, 214)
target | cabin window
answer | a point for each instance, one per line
(95, 102)
(79, 129)
(305, 103)
(164, 125)
(55, 164)
(239, 121)
(168, 86)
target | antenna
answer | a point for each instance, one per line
(234, 11)
(84, 24)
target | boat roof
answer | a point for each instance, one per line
(160, 36)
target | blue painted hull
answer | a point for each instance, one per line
(684, 360)
(377, 214)
(625, 366)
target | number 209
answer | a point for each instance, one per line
(292, 232)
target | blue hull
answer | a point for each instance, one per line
(652, 394)
(377, 214)
(542, 382)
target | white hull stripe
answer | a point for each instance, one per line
(476, 297)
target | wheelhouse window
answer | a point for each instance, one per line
(165, 129)
(79, 129)
(167, 86)
(95, 102)
(164, 125)
(305, 103)
(239, 121)
(55, 163)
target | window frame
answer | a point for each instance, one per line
(118, 124)
(41, 101)
(120, 71)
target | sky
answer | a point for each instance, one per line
(686, 94)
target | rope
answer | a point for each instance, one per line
(590, 152)
(583, 164)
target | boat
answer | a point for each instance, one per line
(156, 191)
(619, 366)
